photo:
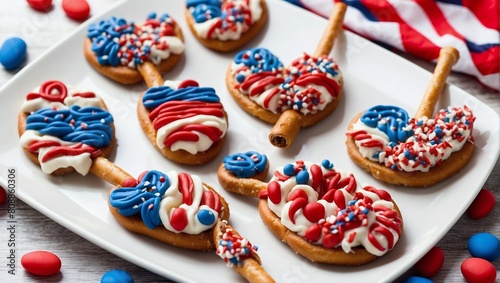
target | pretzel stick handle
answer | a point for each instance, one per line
(448, 56)
(108, 171)
(332, 30)
(150, 74)
(253, 272)
(285, 130)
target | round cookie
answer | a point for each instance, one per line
(129, 53)
(225, 25)
(64, 129)
(185, 122)
(419, 151)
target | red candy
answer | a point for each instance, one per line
(3, 195)
(76, 9)
(482, 205)
(41, 263)
(430, 263)
(478, 270)
(40, 5)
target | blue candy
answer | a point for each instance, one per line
(12, 53)
(417, 279)
(117, 276)
(484, 245)
(206, 217)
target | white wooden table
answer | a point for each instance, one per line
(84, 261)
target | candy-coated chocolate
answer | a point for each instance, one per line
(3, 195)
(42, 263)
(117, 276)
(40, 5)
(484, 245)
(76, 9)
(12, 53)
(417, 279)
(430, 263)
(482, 205)
(478, 270)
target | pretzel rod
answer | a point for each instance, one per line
(150, 74)
(287, 127)
(332, 30)
(448, 56)
(108, 171)
(248, 267)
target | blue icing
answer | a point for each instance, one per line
(156, 96)
(144, 198)
(88, 125)
(206, 217)
(243, 165)
(265, 61)
(395, 119)
(203, 13)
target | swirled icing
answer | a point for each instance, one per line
(185, 116)
(245, 165)
(329, 208)
(233, 248)
(386, 135)
(224, 19)
(306, 86)
(117, 42)
(65, 127)
(178, 201)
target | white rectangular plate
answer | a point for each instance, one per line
(372, 76)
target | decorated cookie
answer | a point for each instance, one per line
(128, 52)
(225, 25)
(175, 208)
(63, 129)
(419, 151)
(325, 215)
(185, 122)
(299, 96)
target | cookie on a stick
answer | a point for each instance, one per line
(323, 214)
(419, 151)
(129, 53)
(63, 129)
(300, 96)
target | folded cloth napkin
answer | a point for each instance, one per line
(422, 27)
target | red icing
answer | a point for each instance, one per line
(186, 187)
(67, 151)
(36, 145)
(297, 194)
(129, 183)
(186, 133)
(212, 200)
(47, 89)
(188, 83)
(172, 111)
(297, 204)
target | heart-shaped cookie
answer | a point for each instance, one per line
(185, 122)
(321, 213)
(419, 151)
(128, 53)
(63, 129)
(225, 25)
(299, 96)
(175, 208)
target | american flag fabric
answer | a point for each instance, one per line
(422, 27)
